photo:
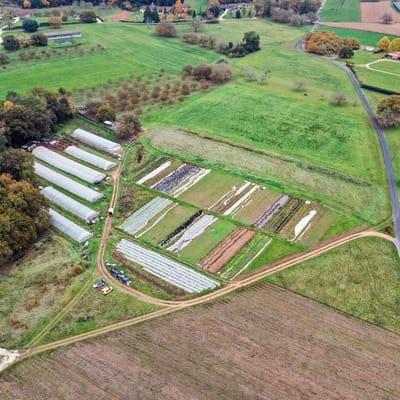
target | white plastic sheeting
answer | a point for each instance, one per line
(69, 228)
(140, 218)
(65, 164)
(192, 232)
(66, 183)
(69, 204)
(97, 141)
(165, 268)
(155, 172)
(90, 158)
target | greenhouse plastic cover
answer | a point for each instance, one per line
(96, 141)
(66, 183)
(69, 204)
(68, 227)
(65, 164)
(90, 158)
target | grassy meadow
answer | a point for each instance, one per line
(130, 50)
(361, 278)
(341, 11)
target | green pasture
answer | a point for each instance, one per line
(361, 278)
(341, 11)
(130, 50)
(377, 78)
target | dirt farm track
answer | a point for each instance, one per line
(261, 343)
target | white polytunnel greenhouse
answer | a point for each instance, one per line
(97, 141)
(66, 183)
(69, 228)
(90, 158)
(69, 204)
(67, 165)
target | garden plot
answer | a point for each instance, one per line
(211, 189)
(197, 249)
(141, 218)
(235, 199)
(163, 267)
(191, 232)
(226, 250)
(301, 222)
(284, 215)
(255, 208)
(171, 222)
(180, 180)
(274, 209)
(156, 170)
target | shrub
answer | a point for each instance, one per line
(221, 73)
(389, 111)
(55, 22)
(339, 99)
(105, 113)
(346, 52)
(25, 41)
(222, 47)
(4, 59)
(30, 25)
(166, 29)
(127, 125)
(191, 38)
(39, 39)
(11, 43)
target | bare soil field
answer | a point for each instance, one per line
(393, 29)
(227, 250)
(262, 343)
(374, 11)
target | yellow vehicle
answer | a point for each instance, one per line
(105, 290)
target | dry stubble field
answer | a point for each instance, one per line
(262, 343)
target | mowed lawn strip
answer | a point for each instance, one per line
(201, 246)
(377, 78)
(361, 278)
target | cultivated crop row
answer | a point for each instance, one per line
(154, 172)
(268, 214)
(140, 218)
(165, 268)
(177, 177)
(226, 250)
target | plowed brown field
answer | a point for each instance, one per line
(226, 250)
(374, 11)
(261, 343)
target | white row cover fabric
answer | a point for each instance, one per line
(90, 158)
(69, 204)
(65, 164)
(97, 141)
(69, 228)
(140, 218)
(66, 183)
(171, 271)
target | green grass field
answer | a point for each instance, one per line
(364, 37)
(341, 11)
(388, 66)
(361, 278)
(130, 50)
(380, 79)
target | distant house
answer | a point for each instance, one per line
(395, 55)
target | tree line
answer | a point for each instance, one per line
(23, 210)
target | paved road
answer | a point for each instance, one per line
(394, 196)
